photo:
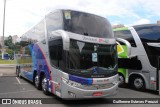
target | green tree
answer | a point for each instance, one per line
(10, 51)
(8, 42)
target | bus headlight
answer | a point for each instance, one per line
(65, 80)
(75, 84)
(71, 83)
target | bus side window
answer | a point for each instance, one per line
(132, 63)
(53, 55)
(56, 53)
(61, 63)
(125, 34)
(53, 22)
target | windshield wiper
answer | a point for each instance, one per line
(86, 34)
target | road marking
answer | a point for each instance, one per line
(17, 92)
(21, 83)
(18, 80)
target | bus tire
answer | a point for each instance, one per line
(44, 85)
(18, 72)
(138, 83)
(37, 82)
(122, 83)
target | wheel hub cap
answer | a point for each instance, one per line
(121, 80)
(44, 84)
(138, 83)
(36, 80)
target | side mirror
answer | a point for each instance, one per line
(65, 38)
(124, 49)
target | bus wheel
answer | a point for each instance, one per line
(121, 81)
(18, 72)
(138, 83)
(44, 85)
(37, 82)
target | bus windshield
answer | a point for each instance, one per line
(86, 24)
(91, 60)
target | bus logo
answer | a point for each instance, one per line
(6, 101)
(100, 40)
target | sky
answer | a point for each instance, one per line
(21, 15)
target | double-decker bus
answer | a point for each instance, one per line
(141, 68)
(71, 54)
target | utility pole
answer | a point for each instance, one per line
(4, 14)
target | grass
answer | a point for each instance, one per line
(19, 61)
(24, 61)
(7, 61)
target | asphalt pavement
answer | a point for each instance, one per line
(13, 87)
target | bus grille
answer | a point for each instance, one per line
(97, 86)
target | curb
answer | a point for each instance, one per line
(7, 65)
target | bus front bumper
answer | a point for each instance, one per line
(70, 92)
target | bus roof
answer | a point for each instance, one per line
(122, 28)
(136, 26)
(145, 25)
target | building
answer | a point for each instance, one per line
(14, 39)
(118, 26)
(158, 21)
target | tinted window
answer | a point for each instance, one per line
(26, 55)
(125, 34)
(53, 22)
(129, 63)
(37, 33)
(87, 24)
(149, 33)
(88, 59)
(153, 54)
(56, 53)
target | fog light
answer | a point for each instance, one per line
(72, 94)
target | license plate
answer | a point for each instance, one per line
(97, 94)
